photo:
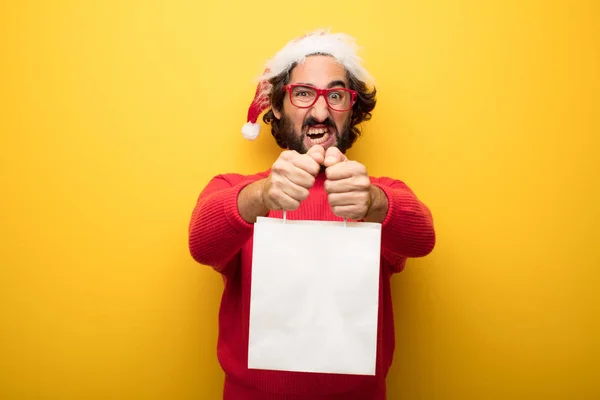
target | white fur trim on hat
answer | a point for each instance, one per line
(339, 45)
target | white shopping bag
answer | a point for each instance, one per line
(314, 296)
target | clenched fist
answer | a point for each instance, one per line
(291, 177)
(348, 186)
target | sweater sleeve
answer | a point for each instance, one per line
(217, 231)
(407, 230)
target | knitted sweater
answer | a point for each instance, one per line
(220, 238)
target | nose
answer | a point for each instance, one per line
(320, 110)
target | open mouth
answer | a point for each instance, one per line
(318, 135)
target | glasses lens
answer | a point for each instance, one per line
(303, 96)
(339, 99)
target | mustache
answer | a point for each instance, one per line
(310, 121)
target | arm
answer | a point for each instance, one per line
(378, 205)
(250, 201)
(217, 231)
(230, 204)
(407, 228)
(407, 225)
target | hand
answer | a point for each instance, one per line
(291, 177)
(348, 186)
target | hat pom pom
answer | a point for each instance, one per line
(251, 130)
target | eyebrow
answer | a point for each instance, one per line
(331, 84)
(337, 83)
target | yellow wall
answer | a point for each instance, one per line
(113, 115)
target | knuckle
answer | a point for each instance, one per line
(274, 194)
(306, 182)
(303, 195)
(310, 165)
(278, 166)
(275, 182)
(361, 181)
(288, 154)
(330, 172)
(333, 199)
(358, 167)
(364, 197)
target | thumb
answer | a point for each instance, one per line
(334, 156)
(317, 152)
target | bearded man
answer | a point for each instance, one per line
(315, 92)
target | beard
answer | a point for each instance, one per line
(295, 140)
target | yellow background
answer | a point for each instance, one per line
(115, 114)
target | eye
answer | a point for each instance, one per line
(303, 92)
(337, 95)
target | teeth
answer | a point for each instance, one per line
(317, 131)
(321, 139)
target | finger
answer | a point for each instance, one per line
(360, 199)
(346, 170)
(334, 156)
(287, 203)
(295, 191)
(351, 212)
(347, 185)
(288, 155)
(307, 163)
(300, 177)
(317, 153)
(284, 170)
(339, 171)
(279, 199)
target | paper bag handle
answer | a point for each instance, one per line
(285, 218)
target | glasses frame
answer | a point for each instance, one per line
(321, 92)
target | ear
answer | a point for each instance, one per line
(277, 113)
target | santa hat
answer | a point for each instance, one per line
(338, 45)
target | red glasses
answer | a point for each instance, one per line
(304, 96)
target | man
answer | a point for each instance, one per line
(316, 93)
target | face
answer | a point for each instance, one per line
(306, 127)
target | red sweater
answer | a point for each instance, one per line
(219, 237)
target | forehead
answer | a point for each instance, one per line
(318, 70)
